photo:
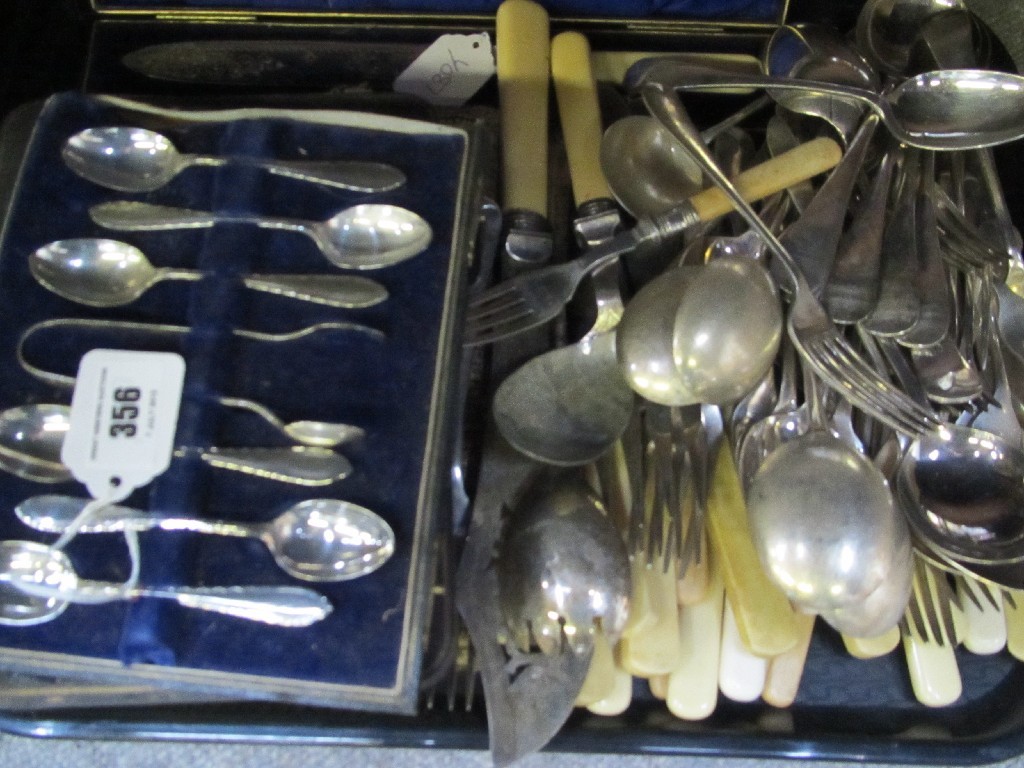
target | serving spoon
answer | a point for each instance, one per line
(110, 273)
(131, 159)
(38, 583)
(948, 109)
(365, 236)
(314, 540)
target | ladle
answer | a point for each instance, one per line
(939, 110)
(365, 236)
(38, 583)
(31, 438)
(131, 159)
(562, 566)
(314, 540)
(110, 273)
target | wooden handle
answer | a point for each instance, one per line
(579, 114)
(789, 168)
(523, 53)
(764, 617)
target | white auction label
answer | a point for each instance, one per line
(124, 413)
(450, 70)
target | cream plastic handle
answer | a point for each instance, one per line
(653, 648)
(693, 684)
(618, 700)
(1014, 615)
(523, 53)
(782, 683)
(579, 114)
(741, 674)
(599, 683)
(984, 630)
(872, 647)
(934, 673)
(764, 617)
(767, 178)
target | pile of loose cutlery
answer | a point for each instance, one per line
(827, 382)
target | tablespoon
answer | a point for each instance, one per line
(131, 159)
(34, 453)
(314, 540)
(940, 110)
(38, 583)
(365, 236)
(110, 273)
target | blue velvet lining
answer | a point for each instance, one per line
(386, 387)
(735, 10)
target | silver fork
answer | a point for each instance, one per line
(816, 338)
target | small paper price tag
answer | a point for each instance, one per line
(124, 413)
(450, 71)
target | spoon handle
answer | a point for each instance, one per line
(280, 606)
(53, 513)
(341, 174)
(343, 291)
(299, 465)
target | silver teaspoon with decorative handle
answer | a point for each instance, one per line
(38, 583)
(366, 236)
(314, 540)
(32, 436)
(131, 159)
(110, 273)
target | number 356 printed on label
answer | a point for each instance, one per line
(124, 414)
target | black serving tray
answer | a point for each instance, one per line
(848, 709)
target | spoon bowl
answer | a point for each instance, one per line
(31, 438)
(964, 494)
(562, 568)
(824, 522)
(21, 561)
(887, 29)
(701, 334)
(648, 170)
(313, 540)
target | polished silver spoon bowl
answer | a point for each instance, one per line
(314, 540)
(963, 491)
(365, 236)
(131, 159)
(31, 438)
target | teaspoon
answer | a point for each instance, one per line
(38, 583)
(366, 236)
(131, 159)
(314, 540)
(32, 436)
(110, 273)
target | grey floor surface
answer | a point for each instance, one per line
(24, 752)
(27, 752)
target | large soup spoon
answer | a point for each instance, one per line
(38, 583)
(366, 236)
(110, 273)
(314, 540)
(131, 159)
